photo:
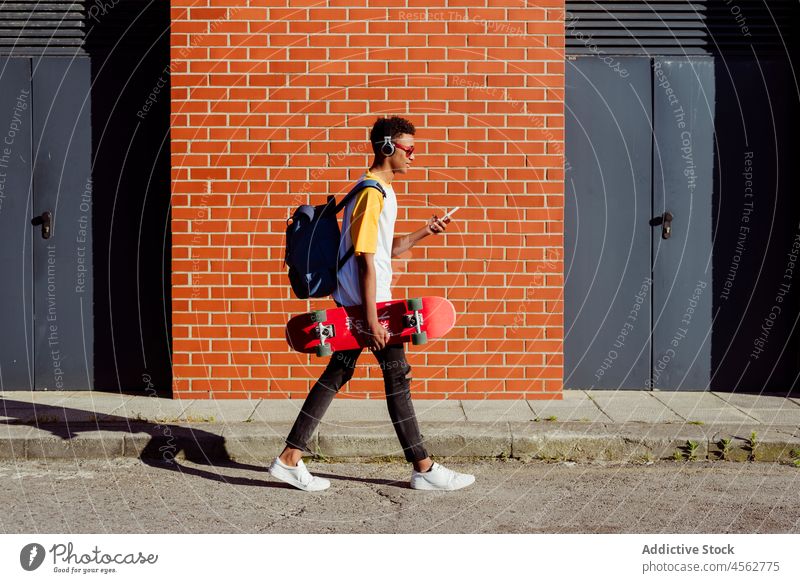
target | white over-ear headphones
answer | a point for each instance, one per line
(387, 148)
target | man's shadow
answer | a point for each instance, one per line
(167, 446)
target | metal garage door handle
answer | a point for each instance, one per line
(666, 225)
(44, 220)
(665, 220)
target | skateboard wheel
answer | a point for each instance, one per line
(323, 350)
(419, 338)
(319, 315)
(415, 304)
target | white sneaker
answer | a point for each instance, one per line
(440, 478)
(298, 476)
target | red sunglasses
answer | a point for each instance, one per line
(409, 151)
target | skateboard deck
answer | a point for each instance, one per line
(326, 331)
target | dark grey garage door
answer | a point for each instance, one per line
(46, 289)
(681, 223)
(638, 225)
(45, 221)
(84, 106)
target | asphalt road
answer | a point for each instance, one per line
(128, 496)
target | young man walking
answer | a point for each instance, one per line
(368, 226)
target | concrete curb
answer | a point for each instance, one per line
(371, 440)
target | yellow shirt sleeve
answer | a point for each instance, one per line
(364, 223)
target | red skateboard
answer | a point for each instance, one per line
(326, 331)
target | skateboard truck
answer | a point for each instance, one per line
(323, 332)
(415, 320)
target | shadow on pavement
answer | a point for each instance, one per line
(167, 442)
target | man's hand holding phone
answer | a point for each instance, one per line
(437, 225)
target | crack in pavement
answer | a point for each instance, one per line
(383, 494)
(284, 516)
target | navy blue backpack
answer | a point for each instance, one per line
(313, 239)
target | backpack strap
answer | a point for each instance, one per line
(346, 257)
(366, 183)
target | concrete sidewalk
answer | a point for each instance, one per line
(635, 426)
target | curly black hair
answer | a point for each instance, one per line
(391, 126)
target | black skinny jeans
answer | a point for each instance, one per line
(396, 380)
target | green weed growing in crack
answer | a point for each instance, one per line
(725, 447)
(646, 458)
(752, 445)
(199, 419)
(559, 456)
(695, 423)
(677, 455)
(691, 447)
(319, 457)
(381, 459)
(795, 454)
(551, 418)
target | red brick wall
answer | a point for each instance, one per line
(272, 101)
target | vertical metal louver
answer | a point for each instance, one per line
(664, 27)
(31, 27)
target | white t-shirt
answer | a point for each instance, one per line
(373, 231)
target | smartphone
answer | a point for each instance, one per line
(450, 213)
